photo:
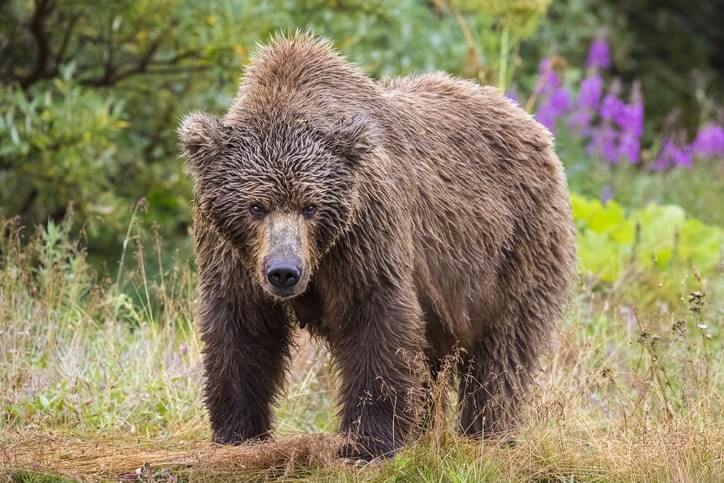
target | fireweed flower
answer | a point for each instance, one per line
(554, 106)
(555, 99)
(547, 78)
(603, 143)
(610, 107)
(630, 117)
(629, 147)
(598, 55)
(672, 155)
(664, 159)
(630, 120)
(546, 116)
(683, 157)
(709, 142)
(604, 140)
(580, 122)
(589, 94)
(587, 102)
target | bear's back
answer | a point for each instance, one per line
(446, 108)
(486, 177)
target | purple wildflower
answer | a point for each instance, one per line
(603, 143)
(546, 116)
(709, 142)
(611, 106)
(630, 117)
(512, 95)
(561, 100)
(683, 156)
(184, 349)
(548, 80)
(599, 56)
(555, 99)
(580, 122)
(587, 102)
(630, 120)
(663, 161)
(607, 194)
(555, 105)
(589, 94)
(629, 147)
(672, 155)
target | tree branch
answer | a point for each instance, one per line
(146, 65)
(43, 9)
(60, 58)
(28, 202)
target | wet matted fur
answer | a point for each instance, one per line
(425, 215)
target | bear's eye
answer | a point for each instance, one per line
(257, 211)
(309, 211)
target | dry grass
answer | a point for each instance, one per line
(101, 380)
(97, 457)
(578, 451)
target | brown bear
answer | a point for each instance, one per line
(399, 220)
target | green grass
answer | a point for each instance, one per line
(101, 378)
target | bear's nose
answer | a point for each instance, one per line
(283, 274)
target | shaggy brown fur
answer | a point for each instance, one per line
(420, 216)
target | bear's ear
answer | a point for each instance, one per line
(353, 138)
(202, 137)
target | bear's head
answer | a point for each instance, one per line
(282, 191)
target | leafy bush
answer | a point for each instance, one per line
(60, 138)
(654, 237)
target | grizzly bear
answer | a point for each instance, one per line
(400, 221)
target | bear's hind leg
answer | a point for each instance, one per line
(494, 379)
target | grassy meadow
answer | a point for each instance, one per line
(101, 379)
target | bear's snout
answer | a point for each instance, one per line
(283, 274)
(284, 269)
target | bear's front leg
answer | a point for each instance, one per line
(379, 351)
(246, 348)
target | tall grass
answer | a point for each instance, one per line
(87, 354)
(101, 378)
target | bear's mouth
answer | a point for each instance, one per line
(283, 294)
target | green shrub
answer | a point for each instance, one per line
(654, 237)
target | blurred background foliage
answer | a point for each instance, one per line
(91, 92)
